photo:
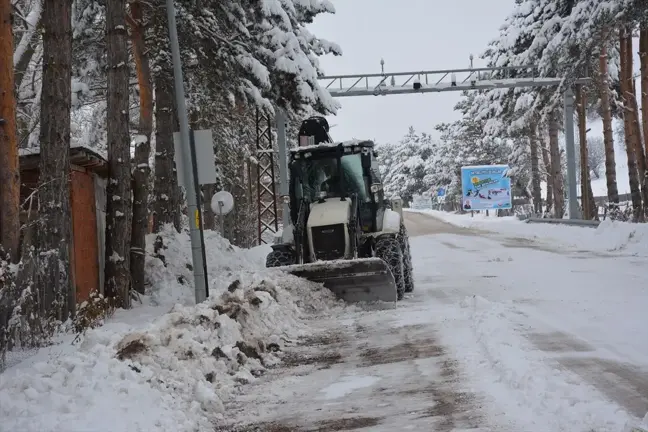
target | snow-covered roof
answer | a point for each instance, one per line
(31, 151)
(349, 143)
(81, 156)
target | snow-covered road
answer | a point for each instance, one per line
(502, 333)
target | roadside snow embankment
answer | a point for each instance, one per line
(609, 236)
(540, 394)
(172, 373)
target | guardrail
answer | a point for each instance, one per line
(573, 222)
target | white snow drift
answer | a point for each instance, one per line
(173, 373)
(609, 236)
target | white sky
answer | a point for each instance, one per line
(410, 35)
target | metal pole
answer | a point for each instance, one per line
(197, 252)
(198, 214)
(220, 218)
(574, 211)
(283, 166)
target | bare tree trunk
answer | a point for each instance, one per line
(165, 185)
(535, 172)
(142, 168)
(9, 171)
(53, 238)
(643, 55)
(556, 169)
(631, 139)
(642, 167)
(608, 137)
(587, 196)
(119, 191)
(547, 164)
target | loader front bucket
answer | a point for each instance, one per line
(358, 280)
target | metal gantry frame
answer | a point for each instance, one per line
(266, 184)
(419, 82)
(437, 81)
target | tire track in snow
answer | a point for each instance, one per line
(413, 383)
(623, 383)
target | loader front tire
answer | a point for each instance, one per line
(280, 258)
(408, 270)
(389, 250)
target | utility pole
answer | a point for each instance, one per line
(574, 211)
(188, 158)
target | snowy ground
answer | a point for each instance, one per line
(512, 327)
(610, 236)
(503, 333)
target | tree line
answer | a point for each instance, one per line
(98, 73)
(568, 39)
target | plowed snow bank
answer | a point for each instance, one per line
(174, 372)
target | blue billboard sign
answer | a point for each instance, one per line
(486, 187)
(441, 192)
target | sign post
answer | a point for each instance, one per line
(201, 171)
(486, 187)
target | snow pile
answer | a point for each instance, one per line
(556, 396)
(625, 236)
(609, 236)
(174, 373)
(171, 275)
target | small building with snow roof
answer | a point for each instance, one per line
(88, 174)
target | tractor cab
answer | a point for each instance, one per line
(342, 171)
(321, 169)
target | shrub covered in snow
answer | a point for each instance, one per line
(93, 313)
(22, 324)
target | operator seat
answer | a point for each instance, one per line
(318, 128)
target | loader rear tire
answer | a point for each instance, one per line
(389, 250)
(408, 270)
(280, 258)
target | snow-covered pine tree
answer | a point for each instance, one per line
(54, 234)
(261, 56)
(507, 112)
(9, 172)
(634, 149)
(165, 199)
(588, 207)
(404, 165)
(139, 15)
(119, 207)
(643, 58)
(464, 142)
(591, 28)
